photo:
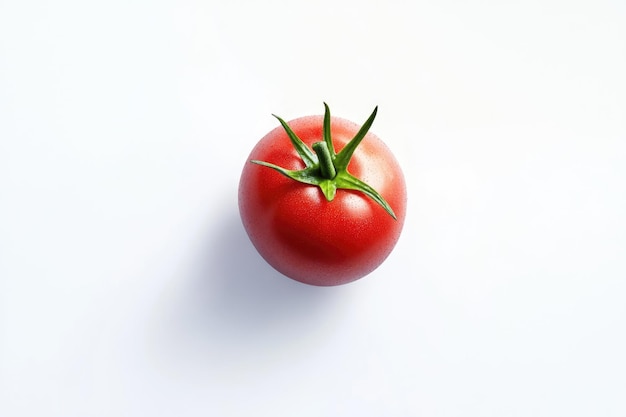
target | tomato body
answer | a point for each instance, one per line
(304, 236)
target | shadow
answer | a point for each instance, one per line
(234, 297)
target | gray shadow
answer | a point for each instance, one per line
(235, 297)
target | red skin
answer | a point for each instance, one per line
(304, 236)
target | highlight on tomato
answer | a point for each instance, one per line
(322, 199)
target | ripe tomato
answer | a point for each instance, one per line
(324, 217)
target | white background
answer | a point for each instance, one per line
(128, 286)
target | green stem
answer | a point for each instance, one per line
(327, 168)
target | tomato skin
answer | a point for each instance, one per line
(304, 236)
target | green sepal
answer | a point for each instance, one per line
(345, 180)
(343, 158)
(327, 136)
(307, 176)
(325, 168)
(305, 153)
(329, 189)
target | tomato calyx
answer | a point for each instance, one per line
(324, 167)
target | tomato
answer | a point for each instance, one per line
(326, 216)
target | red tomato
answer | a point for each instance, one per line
(295, 227)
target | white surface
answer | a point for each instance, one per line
(128, 287)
